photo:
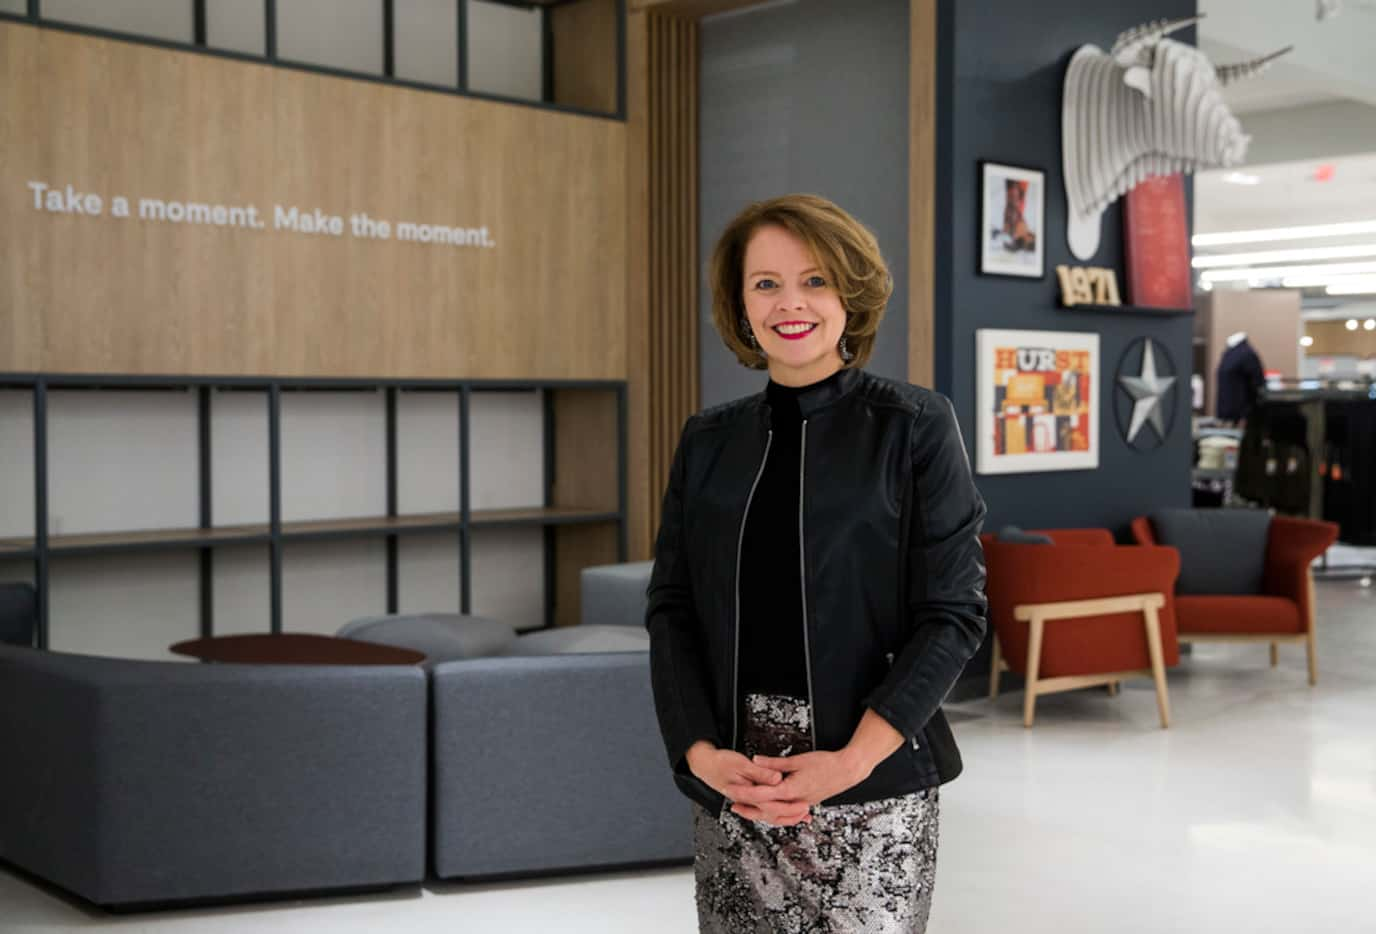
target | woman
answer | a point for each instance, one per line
(817, 589)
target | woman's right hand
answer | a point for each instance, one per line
(742, 782)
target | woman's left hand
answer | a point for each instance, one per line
(816, 776)
(811, 776)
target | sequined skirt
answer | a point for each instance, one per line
(855, 868)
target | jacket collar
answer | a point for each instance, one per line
(815, 398)
(819, 397)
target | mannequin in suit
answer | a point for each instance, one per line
(1240, 378)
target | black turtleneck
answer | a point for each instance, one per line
(773, 658)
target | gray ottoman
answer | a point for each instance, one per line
(443, 637)
(614, 594)
(550, 764)
(579, 640)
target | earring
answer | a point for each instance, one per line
(750, 334)
(846, 355)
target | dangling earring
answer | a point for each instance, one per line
(846, 355)
(750, 336)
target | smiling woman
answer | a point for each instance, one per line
(797, 306)
(817, 589)
(803, 250)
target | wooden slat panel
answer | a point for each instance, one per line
(693, 298)
(659, 253)
(674, 163)
(638, 290)
(108, 295)
(662, 101)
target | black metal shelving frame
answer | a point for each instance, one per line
(206, 537)
(34, 15)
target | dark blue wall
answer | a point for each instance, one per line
(1000, 68)
(806, 97)
(812, 96)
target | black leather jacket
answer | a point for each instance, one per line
(893, 593)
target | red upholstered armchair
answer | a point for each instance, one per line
(1272, 601)
(1081, 612)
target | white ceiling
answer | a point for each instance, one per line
(1333, 55)
(1311, 108)
(1280, 87)
(1288, 194)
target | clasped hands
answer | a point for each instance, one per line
(776, 790)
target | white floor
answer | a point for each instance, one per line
(1255, 812)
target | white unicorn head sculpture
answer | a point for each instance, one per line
(1150, 106)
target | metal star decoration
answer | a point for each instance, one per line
(1146, 389)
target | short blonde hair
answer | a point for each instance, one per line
(845, 249)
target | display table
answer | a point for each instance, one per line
(295, 648)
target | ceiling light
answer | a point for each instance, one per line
(1284, 256)
(1242, 178)
(1369, 324)
(1350, 285)
(1352, 324)
(1306, 341)
(1282, 272)
(1270, 234)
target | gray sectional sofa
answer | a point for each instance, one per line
(18, 613)
(136, 783)
(550, 762)
(132, 782)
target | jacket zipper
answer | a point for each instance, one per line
(740, 546)
(913, 741)
(802, 583)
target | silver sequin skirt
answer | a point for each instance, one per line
(855, 868)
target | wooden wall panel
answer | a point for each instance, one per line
(584, 34)
(578, 547)
(664, 265)
(585, 447)
(922, 57)
(641, 492)
(83, 294)
(1332, 338)
(672, 300)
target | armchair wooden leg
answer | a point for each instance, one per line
(1311, 651)
(1158, 663)
(995, 663)
(1310, 645)
(1034, 658)
(1275, 654)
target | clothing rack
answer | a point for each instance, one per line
(1310, 450)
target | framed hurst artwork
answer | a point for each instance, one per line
(1013, 225)
(1038, 401)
